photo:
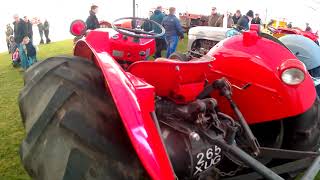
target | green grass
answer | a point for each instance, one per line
(11, 129)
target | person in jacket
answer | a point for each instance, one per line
(29, 28)
(9, 32)
(158, 16)
(213, 18)
(173, 29)
(20, 30)
(41, 31)
(243, 23)
(27, 53)
(236, 17)
(219, 23)
(92, 21)
(46, 28)
(256, 19)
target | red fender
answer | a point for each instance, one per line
(134, 100)
(251, 59)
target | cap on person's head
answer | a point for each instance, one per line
(172, 10)
(93, 7)
(250, 13)
(256, 14)
(214, 8)
(159, 7)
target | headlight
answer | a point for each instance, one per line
(292, 76)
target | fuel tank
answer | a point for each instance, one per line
(250, 61)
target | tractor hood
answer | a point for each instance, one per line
(249, 59)
(207, 32)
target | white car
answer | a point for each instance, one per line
(205, 36)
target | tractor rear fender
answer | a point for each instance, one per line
(134, 100)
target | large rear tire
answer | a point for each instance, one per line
(179, 56)
(302, 132)
(74, 131)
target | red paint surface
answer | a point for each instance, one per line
(241, 59)
(134, 99)
(310, 35)
(245, 59)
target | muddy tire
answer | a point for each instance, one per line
(303, 131)
(73, 128)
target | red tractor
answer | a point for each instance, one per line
(282, 31)
(247, 110)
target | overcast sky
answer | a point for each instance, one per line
(60, 13)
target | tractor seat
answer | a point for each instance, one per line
(178, 80)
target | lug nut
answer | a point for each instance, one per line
(194, 136)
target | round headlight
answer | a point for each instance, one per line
(292, 76)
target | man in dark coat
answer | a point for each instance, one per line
(243, 23)
(158, 16)
(236, 16)
(46, 27)
(20, 30)
(213, 18)
(256, 19)
(29, 28)
(92, 21)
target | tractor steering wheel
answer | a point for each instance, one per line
(138, 32)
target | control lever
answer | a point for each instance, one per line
(224, 87)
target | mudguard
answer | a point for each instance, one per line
(134, 100)
(250, 60)
(304, 49)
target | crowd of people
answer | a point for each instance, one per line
(236, 19)
(173, 31)
(20, 41)
(20, 37)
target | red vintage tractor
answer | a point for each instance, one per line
(282, 31)
(247, 110)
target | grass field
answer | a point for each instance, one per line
(11, 129)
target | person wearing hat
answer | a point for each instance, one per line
(214, 17)
(236, 17)
(243, 23)
(256, 19)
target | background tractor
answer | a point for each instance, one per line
(189, 20)
(107, 113)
